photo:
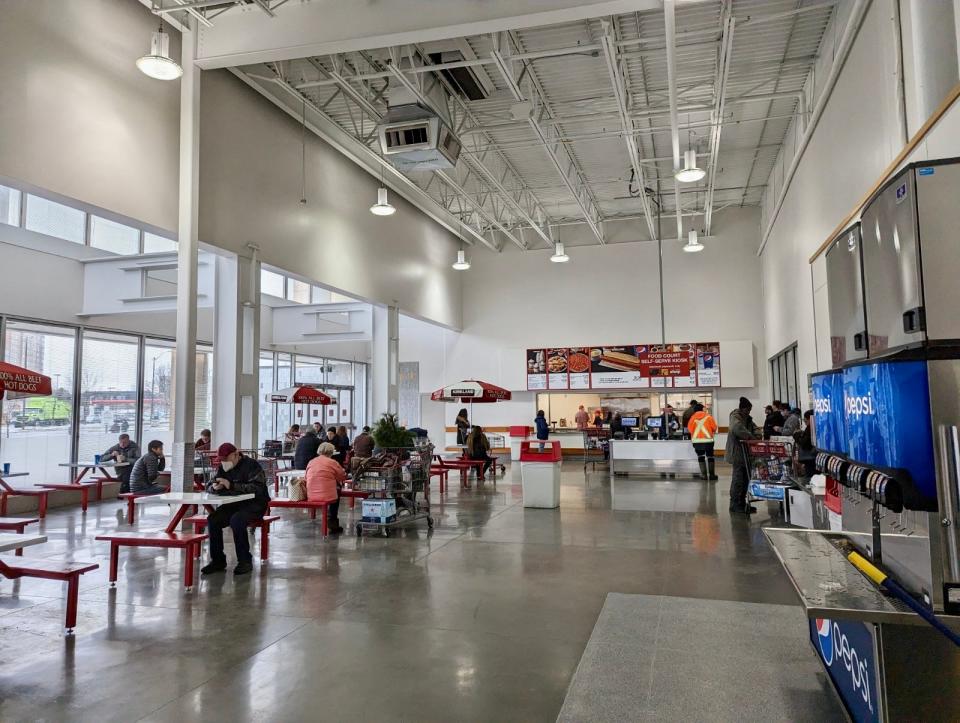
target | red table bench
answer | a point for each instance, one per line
(199, 523)
(180, 540)
(7, 491)
(441, 471)
(354, 495)
(131, 505)
(18, 525)
(304, 505)
(65, 571)
(82, 487)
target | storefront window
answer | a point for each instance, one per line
(108, 392)
(36, 432)
(158, 359)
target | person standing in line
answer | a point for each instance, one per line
(598, 418)
(582, 419)
(741, 428)
(806, 452)
(543, 429)
(773, 420)
(791, 424)
(703, 429)
(463, 427)
(689, 412)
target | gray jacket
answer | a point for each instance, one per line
(131, 454)
(741, 428)
(145, 471)
(790, 425)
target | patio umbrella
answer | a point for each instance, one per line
(19, 382)
(303, 395)
(471, 390)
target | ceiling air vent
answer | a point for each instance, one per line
(414, 138)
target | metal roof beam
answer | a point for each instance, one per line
(670, 28)
(723, 73)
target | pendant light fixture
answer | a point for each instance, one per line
(559, 255)
(461, 264)
(693, 244)
(690, 172)
(158, 63)
(382, 207)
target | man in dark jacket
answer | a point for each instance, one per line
(236, 475)
(125, 450)
(146, 471)
(773, 420)
(687, 413)
(741, 428)
(306, 448)
(363, 444)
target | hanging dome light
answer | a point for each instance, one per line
(559, 256)
(690, 173)
(461, 264)
(693, 244)
(382, 207)
(158, 63)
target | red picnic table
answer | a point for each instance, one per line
(465, 464)
(78, 484)
(6, 491)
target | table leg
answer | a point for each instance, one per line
(73, 591)
(19, 552)
(188, 556)
(264, 541)
(44, 498)
(114, 559)
(131, 511)
(84, 498)
(177, 519)
(80, 475)
(3, 503)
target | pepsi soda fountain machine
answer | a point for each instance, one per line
(886, 420)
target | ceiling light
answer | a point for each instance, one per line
(461, 264)
(559, 257)
(693, 245)
(690, 172)
(382, 207)
(158, 63)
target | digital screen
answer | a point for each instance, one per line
(629, 421)
(654, 422)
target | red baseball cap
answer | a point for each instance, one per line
(225, 450)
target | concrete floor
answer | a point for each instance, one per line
(484, 620)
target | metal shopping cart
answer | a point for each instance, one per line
(394, 479)
(771, 468)
(596, 446)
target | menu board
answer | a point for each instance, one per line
(660, 366)
(557, 377)
(536, 369)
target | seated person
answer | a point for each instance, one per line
(203, 444)
(125, 450)
(342, 443)
(478, 447)
(146, 471)
(306, 449)
(325, 477)
(363, 445)
(236, 475)
(290, 438)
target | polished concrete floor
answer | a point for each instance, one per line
(485, 619)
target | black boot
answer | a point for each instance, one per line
(703, 467)
(711, 469)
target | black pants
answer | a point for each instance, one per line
(486, 462)
(123, 474)
(237, 517)
(704, 450)
(738, 485)
(333, 513)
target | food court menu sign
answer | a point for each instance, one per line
(638, 366)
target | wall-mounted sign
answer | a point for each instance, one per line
(624, 367)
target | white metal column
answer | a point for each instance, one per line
(386, 361)
(186, 361)
(236, 342)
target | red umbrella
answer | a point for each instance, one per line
(471, 390)
(301, 395)
(19, 382)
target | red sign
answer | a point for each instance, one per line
(668, 360)
(19, 382)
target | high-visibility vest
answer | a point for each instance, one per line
(702, 427)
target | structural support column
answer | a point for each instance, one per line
(236, 343)
(386, 361)
(185, 373)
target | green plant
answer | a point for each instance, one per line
(388, 433)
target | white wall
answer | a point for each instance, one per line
(859, 134)
(604, 295)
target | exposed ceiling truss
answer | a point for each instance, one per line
(579, 126)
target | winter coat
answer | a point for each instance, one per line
(543, 429)
(741, 428)
(246, 477)
(145, 471)
(306, 449)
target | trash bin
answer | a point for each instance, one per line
(540, 473)
(517, 435)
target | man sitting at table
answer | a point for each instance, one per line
(125, 450)
(146, 471)
(236, 475)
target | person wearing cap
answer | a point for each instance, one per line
(703, 428)
(741, 428)
(689, 412)
(236, 475)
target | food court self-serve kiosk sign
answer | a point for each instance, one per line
(635, 366)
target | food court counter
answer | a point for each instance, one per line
(671, 456)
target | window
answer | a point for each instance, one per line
(108, 392)
(267, 410)
(339, 372)
(360, 395)
(309, 370)
(298, 291)
(319, 296)
(271, 283)
(55, 219)
(37, 432)
(9, 206)
(154, 244)
(203, 394)
(114, 237)
(284, 379)
(784, 382)
(157, 422)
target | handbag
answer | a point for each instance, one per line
(297, 488)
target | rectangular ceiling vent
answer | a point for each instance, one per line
(414, 138)
(464, 80)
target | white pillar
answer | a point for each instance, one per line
(186, 362)
(236, 342)
(386, 361)
(935, 62)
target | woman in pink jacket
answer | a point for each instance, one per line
(324, 478)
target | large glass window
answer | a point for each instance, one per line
(55, 219)
(339, 372)
(784, 379)
(271, 283)
(158, 360)
(115, 237)
(309, 370)
(9, 206)
(267, 410)
(203, 406)
(37, 432)
(284, 380)
(360, 395)
(154, 244)
(298, 291)
(108, 392)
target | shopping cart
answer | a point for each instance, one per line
(393, 480)
(596, 445)
(771, 468)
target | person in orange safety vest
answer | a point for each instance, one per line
(703, 429)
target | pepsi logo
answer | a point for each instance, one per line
(821, 406)
(825, 639)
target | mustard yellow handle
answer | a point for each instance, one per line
(867, 568)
